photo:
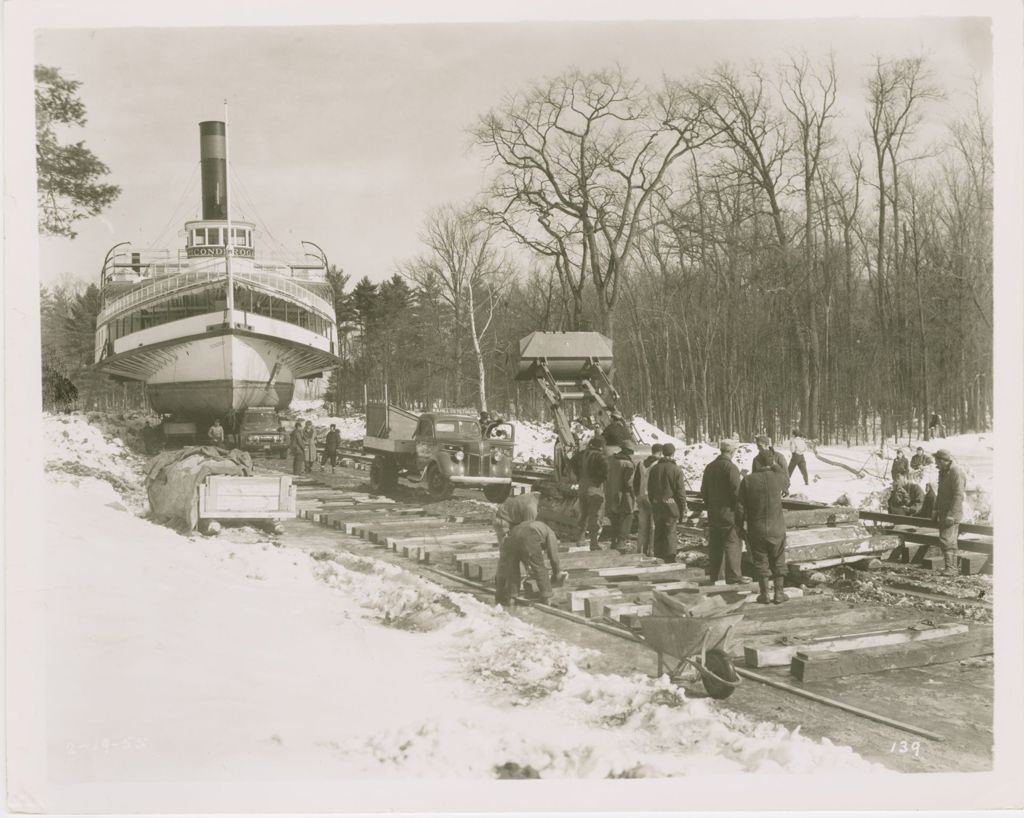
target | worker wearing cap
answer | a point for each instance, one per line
(619, 500)
(720, 489)
(521, 508)
(666, 489)
(949, 508)
(760, 518)
(768, 457)
(593, 471)
(906, 497)
(527, 543)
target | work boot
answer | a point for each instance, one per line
(762, 585)
(780, 594)
(952, 564)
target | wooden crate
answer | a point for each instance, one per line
(225, 497)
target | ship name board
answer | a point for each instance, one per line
(241, 252)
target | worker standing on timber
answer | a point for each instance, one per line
(900, 465)
(720, 489)
(215, 434)
(949, 508)
(615, 432)
(645, 522)
(797, 460)
(905, 498)
(297, 449)
(760, 507)
(593, 471)
(522, 508)
(766, 456)
(331, 448)
(666, 489)
(526, 543)
(620, 502)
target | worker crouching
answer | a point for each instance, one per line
(526, 543)
(760, 508)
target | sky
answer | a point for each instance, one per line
(347, 135)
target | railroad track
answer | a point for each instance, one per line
(605, 590)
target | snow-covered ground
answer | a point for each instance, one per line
(174, 658)
(858, 476)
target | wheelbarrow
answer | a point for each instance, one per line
(699, 641)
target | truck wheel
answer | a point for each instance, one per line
(498, 493)
(438, 485)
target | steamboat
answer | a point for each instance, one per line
(215, 327)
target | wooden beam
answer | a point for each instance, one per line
(782, 655)
(815, 666)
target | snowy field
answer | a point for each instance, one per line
(177, 658)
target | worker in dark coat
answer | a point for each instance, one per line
(905, 498)
(949, 508)
(928, 504)
(527, 543)
(297, 449)
(592, 468)
(615, 432)
(766, 456)
(331, 447)
(619, 500)
(645, 520)
(900, 465)
(719, 488)
(760, 506)
(666, 489)
(520, 508)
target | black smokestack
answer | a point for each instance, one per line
(213, 165)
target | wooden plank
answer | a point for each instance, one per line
(819, 665)
(973, 563)
(672, 570)
(593, 605)
(921, 522)
(782, 655)
(485, 535)
(615, 611)
(824, 551)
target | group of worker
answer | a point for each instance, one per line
(944, 505)
(748, 507)
(302, 447)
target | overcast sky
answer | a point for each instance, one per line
(347, 135)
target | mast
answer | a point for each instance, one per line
(227, 213)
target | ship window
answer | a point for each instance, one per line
(239, 236)
(199, 237)
(213, 236)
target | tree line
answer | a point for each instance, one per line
(761, 259)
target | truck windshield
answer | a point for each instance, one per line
(456, 430)
(260, 420)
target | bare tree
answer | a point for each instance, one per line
(462, 255)
(577, 158)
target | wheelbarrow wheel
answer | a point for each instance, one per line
(719, 674)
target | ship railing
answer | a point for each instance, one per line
(130, 265)
(158, 288)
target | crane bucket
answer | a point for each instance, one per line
(569, 356)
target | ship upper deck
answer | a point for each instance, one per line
(133, 279)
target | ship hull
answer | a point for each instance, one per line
(216, 398)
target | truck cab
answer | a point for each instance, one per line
(260, 431)
(441, 449)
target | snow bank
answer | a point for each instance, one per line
(337, 666)
(534, 442)
(75, 449)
